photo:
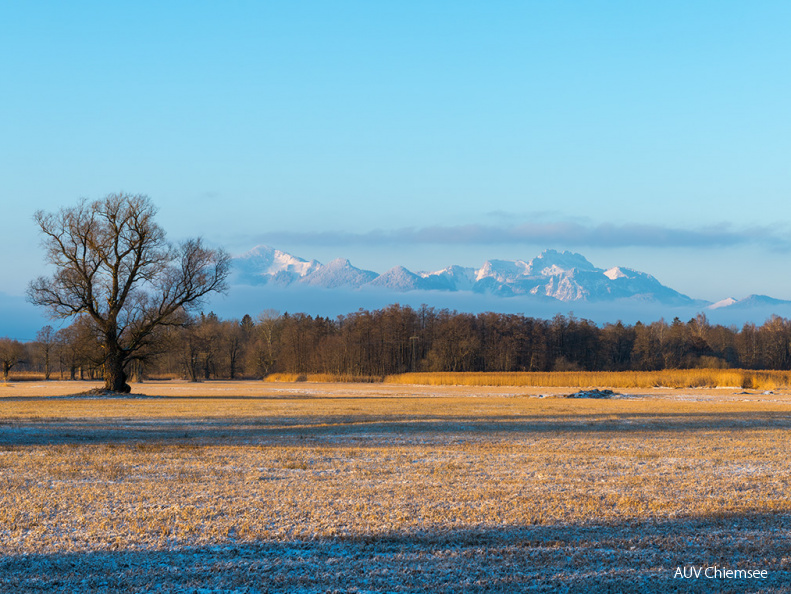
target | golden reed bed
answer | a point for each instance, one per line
(671, 378)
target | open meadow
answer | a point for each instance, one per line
(315, 487)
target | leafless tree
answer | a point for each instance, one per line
(233, 337)
(114, 264)
(11, 352)
(45, 339)
(262, 356)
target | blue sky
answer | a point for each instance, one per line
(650, 135)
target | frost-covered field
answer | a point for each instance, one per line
(220, 487)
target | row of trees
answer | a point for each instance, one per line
(400, 339)
(130, 293)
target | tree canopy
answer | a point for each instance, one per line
(114, 265)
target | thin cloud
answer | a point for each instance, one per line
(571, 234)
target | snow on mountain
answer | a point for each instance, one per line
(399, 279)
(625, 283)
(750, 302)
(501, 271)
(567, 276)
(452, 278)
(760, 301)
(614, 273)
(562, 286)
(723, 303)
(264, 264)
(338, 273)
(552, 262)
(563, 276)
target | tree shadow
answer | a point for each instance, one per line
(619, 557)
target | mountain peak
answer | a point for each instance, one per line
(398, 278)
(723, 303)
(565, 276)
(615, 272)
(501, 270)
(751, 301)
(555, 262)
(263, 263)
(338, 273)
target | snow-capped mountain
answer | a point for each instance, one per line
(567, 276)
(553, 275)
(749, 302)
(723, 303)
(338, 273)
(452, 278)
(264, 264)
(502, 271)
(552, 262)
(398, 278)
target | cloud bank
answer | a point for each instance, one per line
(568, 234)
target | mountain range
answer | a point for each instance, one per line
(551, 283)
(551, 276)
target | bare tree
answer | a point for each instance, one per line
(263, 353)
(11, 352)
(45, 339)
(233, 345)
(114, 264)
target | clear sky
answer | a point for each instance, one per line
(650, 135)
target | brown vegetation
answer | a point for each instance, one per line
(669, 378)
(368, 346)
(446, 471)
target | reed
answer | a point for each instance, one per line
(327, 378)
(28, 376)
(669, 378)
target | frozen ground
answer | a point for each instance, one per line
(636, 557)
(242, 487)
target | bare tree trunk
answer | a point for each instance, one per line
(114, 374)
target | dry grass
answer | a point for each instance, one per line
(249, 463)
(322, 378)
(27, 376)
(670, 378)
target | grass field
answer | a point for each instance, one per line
(250, 486)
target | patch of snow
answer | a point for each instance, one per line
(614, 273)
(560, 261)
(502, 270)
(338, 273)
(724, 303)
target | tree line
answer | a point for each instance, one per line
(400, 339)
